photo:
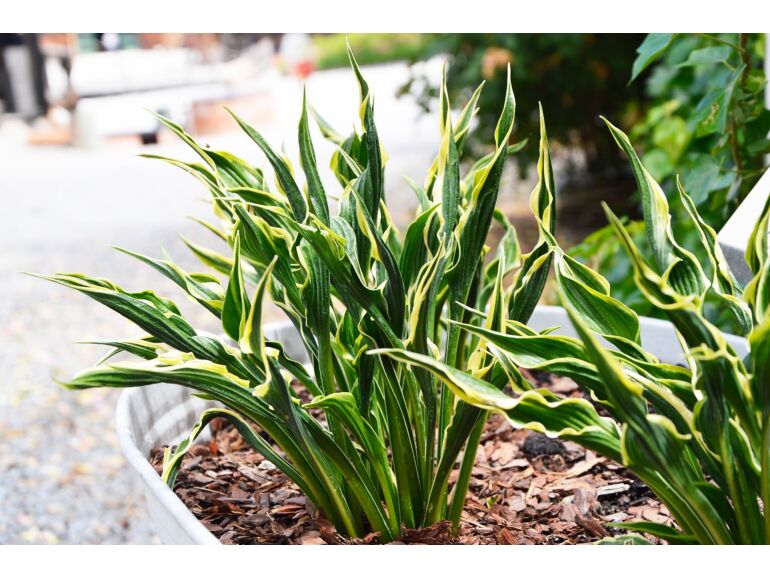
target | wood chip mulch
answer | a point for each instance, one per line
(525, 489)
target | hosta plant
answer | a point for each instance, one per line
(377, 450)
(697, 435)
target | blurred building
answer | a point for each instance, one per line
(22, 76)
(84, 88)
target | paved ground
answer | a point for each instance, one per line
(62, 477)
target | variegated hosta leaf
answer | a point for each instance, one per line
(756, 250)
(724, 283)
(654, 287)
(217, 261)
(374, 192)
(201, 287)
(624, 540)
(655, 449)
(420, 315)
(173, 460)
(346, 276)
(250, 337)
(449, 174)
(684, 311)
(509, 243)
(283, 172)
(260, 243)
(230, 170)
(508, 250)
(759, 340)
(394, 290)
(207, 176)
(757, 292)
(318, 201)
(667, 533)
(724, 383)
(530, 281)
(419, 243)
(677, 266)
(570, 418)
(157, 316)
(589, 294)
(474, 223)
(146, 347)
(479, 362)
(459, 134)
(236, 299)
(223, 235)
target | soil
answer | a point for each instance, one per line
(525, 489)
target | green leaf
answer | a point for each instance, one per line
(649, 51)
(282, 169)
(571, 418)
(667, 533)
(310, 167)
(677, 265)
(234, 307)
(708, 55)
(589, 294)
(711, 113)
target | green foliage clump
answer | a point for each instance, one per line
(380, 455)
(697, 435)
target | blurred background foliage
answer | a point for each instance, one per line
(706, 119)
(576, 77)
(377, 48)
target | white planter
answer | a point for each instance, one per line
(734, 236)
(158, 415)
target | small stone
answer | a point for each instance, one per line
(537, 444)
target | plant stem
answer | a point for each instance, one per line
(464, 477)
(734, 104)
(765, 476)
(719, 40)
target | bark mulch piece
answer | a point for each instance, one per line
(525, 489)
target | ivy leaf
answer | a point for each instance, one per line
(709, 55)
(704, 178)
(710, 115)
(649, 51)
